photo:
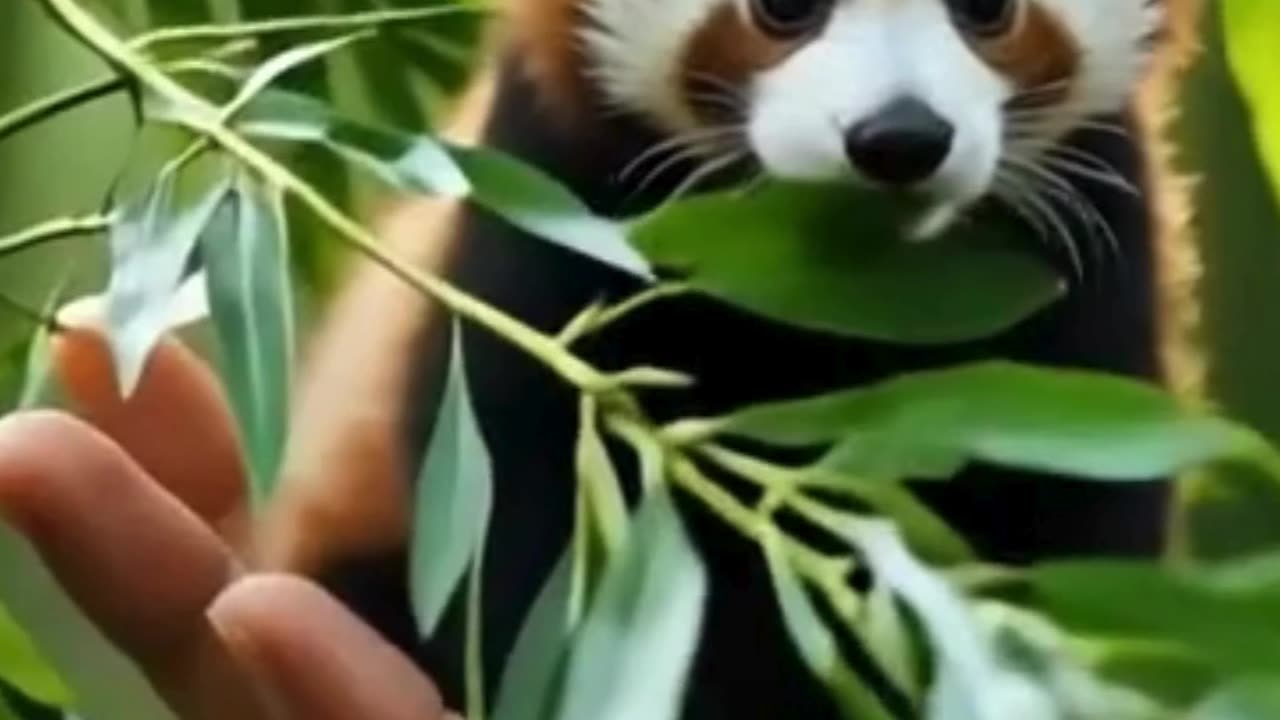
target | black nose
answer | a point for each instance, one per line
(903, 143)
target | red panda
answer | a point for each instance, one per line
(1052, 109)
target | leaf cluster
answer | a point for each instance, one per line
(613, 631)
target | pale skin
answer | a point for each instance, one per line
(124, 502)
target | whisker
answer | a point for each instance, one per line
(675, 141)
(680, 156)
(705, 170)
(1098, 162)
(1065, 191)
(1105, 176)
(1050, 214)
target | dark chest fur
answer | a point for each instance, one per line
(746, 668)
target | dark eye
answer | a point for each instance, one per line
(788, 18)
(983, 17)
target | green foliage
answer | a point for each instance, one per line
(102, 684)
(151, 239)
(246, 264)
(833, 260)
(1230, 628)
(1251, 32)
(613, 631)
(532, 681)
(932, 424)
(638, 637)
(23, 667)
(817, 643)
(454, 499)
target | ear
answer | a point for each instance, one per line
(345, 490)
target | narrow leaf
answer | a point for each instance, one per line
(833, 259)
(151, 242)
(969, 682)
(927, 532)
(24, 667)
(509, 188)
(638, 639)
(413, 162)
(883, 630)
(930, 424)
(529, 199)
(535, 667)
(817, 644)
(245, 250)
(599, 480)
(276, 66)
(454, 499)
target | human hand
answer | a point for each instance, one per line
(136, 508)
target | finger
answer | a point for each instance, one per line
(317, 659)
(141, 566)
(176, 424)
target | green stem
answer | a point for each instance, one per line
(309, 23)
(51, 230)
(20, 119)
(28, 115)
(200, 116)
(596, 317)
(826, 572)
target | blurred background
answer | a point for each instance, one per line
(66, 166)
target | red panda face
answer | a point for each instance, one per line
(943, 97)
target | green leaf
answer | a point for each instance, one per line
(454, 499)
(1228, 628)
(245, 251)
(637, 641)
(1251, 27)
(1252, 698)
(104, 683)
(280, 64)
(817, 644)
(885, 635)
(1032, 647)
(412, 162)
(513, 190)
(599, 479)
(833, 260)
(529, 199)
(151, 241)
(969, 680)
(927, 532)
(6, 712)
(535, 668)
(24, 667)
(930, 424)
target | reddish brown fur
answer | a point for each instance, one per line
(544, 33)
(1039, 55)
(731, 49)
